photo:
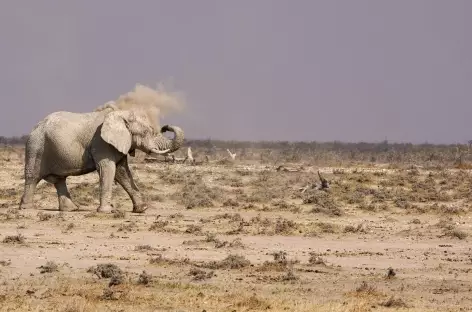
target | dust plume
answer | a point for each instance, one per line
(155, 103)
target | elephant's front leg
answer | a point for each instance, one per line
(106, 170)
(124, 177)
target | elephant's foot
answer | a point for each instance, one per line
(66, 204)
(25, 206)
(105, 208)
(140, 208)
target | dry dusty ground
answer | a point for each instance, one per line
(236, 237)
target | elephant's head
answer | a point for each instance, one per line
(128, 130)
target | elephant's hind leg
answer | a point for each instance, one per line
(65, 202)
(124, 177)
(28, 193)
(32, 177)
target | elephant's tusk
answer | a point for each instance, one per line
(160, 152)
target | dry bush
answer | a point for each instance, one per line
(267, 186)
(196, 194)
(232, 261)
(49, 267)
(68, 228)
(14, 239)
(230, 202)
(105, 270)
(85, 193)
(119, 214)
(193, 229)
(279, 264)
(364, 289)
(128, 227)
(234, 217)
(360, 228)
(10, 214)
(211, 238)
(176, 216)
(171, 176)
(76, 304)
(449, 209)
(456, 233)
(200, 275)
(159, 226)
(144, 278)
(289, 276)
(323, 228)
(9, 194)
(323, 203)
(316, 259)
(284, 226)
(232, 181)
(143, 248)
(394, 302)
(160, 260)
(253, 303)
(44, 216)
(283, 205)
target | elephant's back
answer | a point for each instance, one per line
(71, 127)
(61, 118)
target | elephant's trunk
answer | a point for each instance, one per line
(168, 145)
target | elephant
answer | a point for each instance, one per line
(71, 144)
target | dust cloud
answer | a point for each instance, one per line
(155, 103)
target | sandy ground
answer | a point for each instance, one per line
(241, 237)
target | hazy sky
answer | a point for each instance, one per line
(347, 70)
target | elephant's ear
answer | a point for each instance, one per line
(115, 132)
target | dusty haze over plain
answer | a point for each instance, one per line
(250, 70)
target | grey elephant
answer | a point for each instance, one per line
(70, 144)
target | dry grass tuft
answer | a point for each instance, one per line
(367, 290)
(144, 278)
(10, 214)
(119, 214)
(200, 275)
(456, 233)
(232, 261)
(14, 239)
(49, 267)
(394, 302)
(316, 259)
(196, 194)
(253, 303)
(44, 216)
(105, 270)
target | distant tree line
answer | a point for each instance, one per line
(302, 146)
(13, 140)
(313, 146)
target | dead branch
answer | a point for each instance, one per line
(288, 169)
(322, 186)
(233, 156)
(189, 154)
(179, 160)
(324, 182)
